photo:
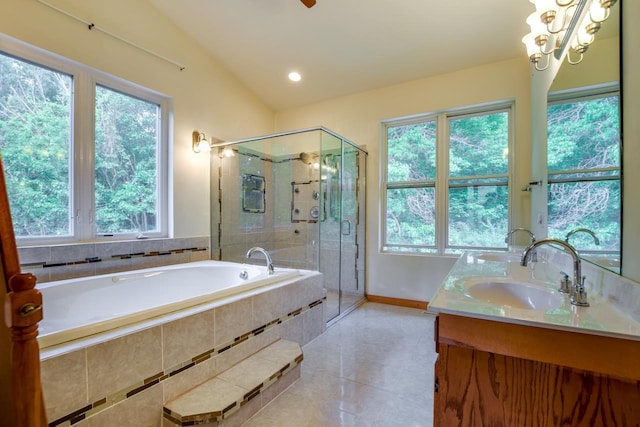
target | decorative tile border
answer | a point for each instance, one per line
(218, 416)
(116, 257)
(109, 401)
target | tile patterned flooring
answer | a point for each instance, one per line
(374, 367)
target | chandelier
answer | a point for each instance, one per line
(557, 24)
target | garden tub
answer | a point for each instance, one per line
(77, 308)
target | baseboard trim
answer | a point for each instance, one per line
(398, 301)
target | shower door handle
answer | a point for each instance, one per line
(346, 225)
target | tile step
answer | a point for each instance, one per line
(224, 394)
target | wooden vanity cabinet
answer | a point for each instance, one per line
(491, 373)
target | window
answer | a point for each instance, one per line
(446, 181)
(583, 156)
(84, 153)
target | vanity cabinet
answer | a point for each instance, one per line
(492, 373)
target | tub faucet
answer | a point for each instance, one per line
(582, 230)
(514, 230)
(578, 293)
(266, 255)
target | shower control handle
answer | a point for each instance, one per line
(346, 227)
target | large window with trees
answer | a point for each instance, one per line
(446, 181)
(583, 157)
(84, 153)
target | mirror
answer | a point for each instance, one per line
(600, 72)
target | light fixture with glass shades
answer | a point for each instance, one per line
(199, 142)
(558, 24)
(226, 152)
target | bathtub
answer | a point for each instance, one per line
(78, 308)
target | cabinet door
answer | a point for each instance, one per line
(436, 393)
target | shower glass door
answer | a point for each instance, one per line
(351, 274)
(330, 221)
(343, 169)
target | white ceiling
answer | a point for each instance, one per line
(348, 46)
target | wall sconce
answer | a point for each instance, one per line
(199, 143)
(556, 24)
(226, 152)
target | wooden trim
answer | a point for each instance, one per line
(398, 301)
(22, 312)
(616, 357)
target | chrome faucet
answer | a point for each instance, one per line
(578, 293)
(582, 230)
(266, 255)
(514, 230)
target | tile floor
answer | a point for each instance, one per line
(374, 367)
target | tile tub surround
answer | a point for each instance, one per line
(126, 380)
(58, 262)
(225, 395)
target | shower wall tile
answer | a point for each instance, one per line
(64, 383)
(136, 356)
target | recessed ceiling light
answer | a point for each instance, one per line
(294, 76)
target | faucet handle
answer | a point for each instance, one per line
(579, 295)
(565, 283)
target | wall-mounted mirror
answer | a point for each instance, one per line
(583, 150)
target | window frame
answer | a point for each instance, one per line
(442, 179)
(81, 146)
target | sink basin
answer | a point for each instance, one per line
(515, 294)
(498, 256)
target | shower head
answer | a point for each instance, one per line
(307, 157)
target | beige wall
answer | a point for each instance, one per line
(206, 97)
(358, 117)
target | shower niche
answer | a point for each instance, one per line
(301, 196)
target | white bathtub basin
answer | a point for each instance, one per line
(515, 294)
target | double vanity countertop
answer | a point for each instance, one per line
(494, 286)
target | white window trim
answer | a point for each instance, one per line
(442, 170)
(81, 155)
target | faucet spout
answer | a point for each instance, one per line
(514, 230)
(582, 230)
(266, 255)
(578, 293)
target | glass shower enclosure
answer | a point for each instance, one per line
(301, 196)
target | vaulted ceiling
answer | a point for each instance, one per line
(342, 47)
